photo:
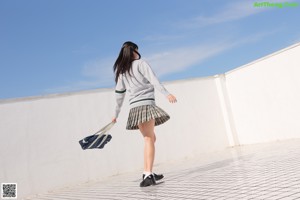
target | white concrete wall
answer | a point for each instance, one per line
(39, 137)
(265, 97)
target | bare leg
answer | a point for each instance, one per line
(147, 130)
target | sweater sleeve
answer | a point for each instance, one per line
(148, 73)
(120, 92)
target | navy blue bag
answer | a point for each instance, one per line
(97, 140)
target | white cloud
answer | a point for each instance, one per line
(95, 74)
(234, 11)
(176, 60)
(99, 73)
(101, 69)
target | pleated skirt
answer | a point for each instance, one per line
(141, 114)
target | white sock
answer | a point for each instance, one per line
(147, 174)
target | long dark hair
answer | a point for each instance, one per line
(125, 58)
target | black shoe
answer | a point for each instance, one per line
(156, 176)
(149, 180)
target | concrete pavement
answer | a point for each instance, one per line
(263, 171)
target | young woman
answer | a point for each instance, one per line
(135, 76)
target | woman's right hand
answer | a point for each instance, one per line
(172, 98)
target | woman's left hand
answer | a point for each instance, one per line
(172, 98)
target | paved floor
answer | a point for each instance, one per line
(265, 171)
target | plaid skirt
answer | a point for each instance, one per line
(145, 113)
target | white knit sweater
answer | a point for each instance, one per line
(139, 84)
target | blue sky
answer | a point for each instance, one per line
(56, 46)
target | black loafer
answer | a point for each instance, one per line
(156, 176)
(148, 181)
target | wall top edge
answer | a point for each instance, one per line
(66, 94)
(263, 58)
(50, 96)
